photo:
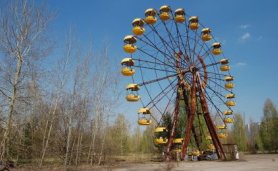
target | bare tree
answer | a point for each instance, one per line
(59, 78)
(22, 29)
(104, 98)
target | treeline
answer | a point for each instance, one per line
(257, 136)
(58, 112)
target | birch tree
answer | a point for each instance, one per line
(22, 42)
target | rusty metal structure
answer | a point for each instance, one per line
(179, 69)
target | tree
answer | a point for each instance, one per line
(22, 43)
(254, 139)
(117, 138)
(239, 132)
(269, 127)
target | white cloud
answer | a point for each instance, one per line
(244, 26)
(245, 36)
(241, 64)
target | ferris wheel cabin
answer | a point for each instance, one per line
(180, 15)
(129, 46)
(144, 116)
(206, 34)
(150, 16)
(138, 26)
(193, 23)
(216, 48)
(164, 12)
(131, 96)
(161, 134)
(127, 63)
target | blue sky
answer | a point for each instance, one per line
(246, 28)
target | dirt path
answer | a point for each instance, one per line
(261, 162)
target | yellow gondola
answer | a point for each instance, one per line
(206, 36)
(221, 127)
(160, 129)
(161, 135)
(177, 140)
(196, 153)
(160, 140)
(229, 85)
(230, 96)
(228, 120)
(138, 28)
(150, 16)
(229, 78)
(132, 87)
(225, 68)
(208, 137)
(132, 98)
(144, 121)
(228, 112)
(144, 110)
(127, 62)
(193, 23)
(224, 61)
(164, 12)
(130, 48)
(211, 147)
(180, 15)
(127, 71)
(216, 48)
(222, 135)
(130, 39)
(230, 103)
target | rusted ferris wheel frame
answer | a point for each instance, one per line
(180, 63)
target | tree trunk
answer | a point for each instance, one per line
(68, 144)
(49, 133)
(6, 139)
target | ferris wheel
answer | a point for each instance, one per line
(178, 69)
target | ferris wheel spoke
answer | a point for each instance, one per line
(152, 56)
(168, 103)
(219, 85)
(219, 112)
(218, 96)
(171, 37)
(159, 96)
(187, 42)
(180, 37)
(164, 42)
(160, 79)
(151, 44)
(154, 105)
(217, 74)
(152, 62)
(159, 84)
(196, 41)
(152, 68)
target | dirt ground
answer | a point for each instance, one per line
(259, 162)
